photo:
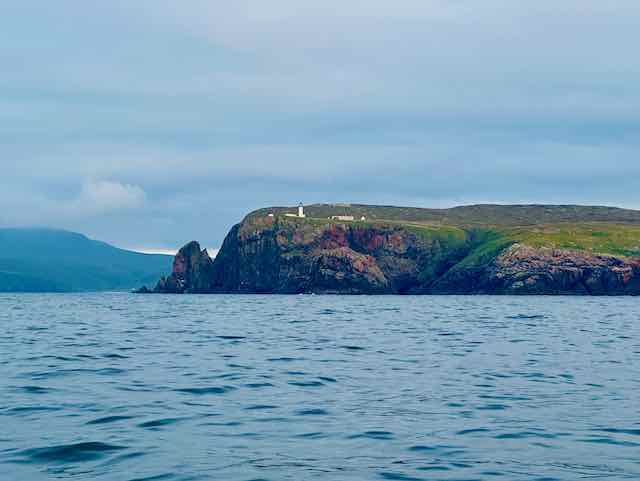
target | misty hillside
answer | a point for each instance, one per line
(47, 260)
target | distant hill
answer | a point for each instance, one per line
(48, 260)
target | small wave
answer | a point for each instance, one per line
(114, 356)
(29, 409)
(327, 312)
(224, 424)
(258, 385)
(108, 371)
(608, 440)
(434, 468)
(312, 435)
(306, 383)
(382, 435)
(525, 434)
(285, 359)
(633, 432)
(120, 458)
(158, 477)
(109, 419)
(421, 449)
(260, 407)
(201, 391)
(312, 412)
(465, 432)
(68, 453)
(35, 389)
(157, 423)
(240, 366)
(493, 407)
(398, 476)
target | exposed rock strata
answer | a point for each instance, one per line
(271, 255)
(525, 270)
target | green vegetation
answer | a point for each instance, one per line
(444, 233)
(44, 260)
(488, 245)
(470, 216)
(600, 238)
(492, 228)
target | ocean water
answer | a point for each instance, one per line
(130, 387)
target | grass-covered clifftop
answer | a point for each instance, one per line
(595, 229)
(484, 214)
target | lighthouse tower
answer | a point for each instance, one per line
(301, 210)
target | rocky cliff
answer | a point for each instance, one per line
(191, 273)
(522, 269)
(278, 254)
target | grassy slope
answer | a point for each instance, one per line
(479, 215)
(601, 238)
(44, 260)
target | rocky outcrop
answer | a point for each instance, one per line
(525, 270)
(521, 269)
(287, 255)
(192, 272)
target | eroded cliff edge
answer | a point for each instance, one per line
(278, 254)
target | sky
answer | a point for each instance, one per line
(149, 123)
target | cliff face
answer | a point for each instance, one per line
(521, 269)
(286, 255)
(290, 256)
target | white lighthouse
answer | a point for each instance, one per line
(301, 210)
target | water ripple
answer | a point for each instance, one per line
(114, 386)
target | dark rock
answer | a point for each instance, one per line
(521, 269)
(287, 255)
(192, 272)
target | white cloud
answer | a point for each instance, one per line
(107, 196)
(95, 199)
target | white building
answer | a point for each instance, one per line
(300, 213)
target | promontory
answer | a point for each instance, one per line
(364, 249)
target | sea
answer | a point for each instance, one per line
(117, 386)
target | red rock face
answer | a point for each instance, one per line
(179, 264)
(267, 256)
(334, 237)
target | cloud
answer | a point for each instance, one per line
(106, 196)
(93, 199)
(157, 122)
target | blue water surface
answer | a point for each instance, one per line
(131, 387)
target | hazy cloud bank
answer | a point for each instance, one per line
(154, 122)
